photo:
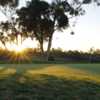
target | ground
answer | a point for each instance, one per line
(50, 82)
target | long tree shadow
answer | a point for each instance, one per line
(47, 87)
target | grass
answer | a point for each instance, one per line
(50, 82)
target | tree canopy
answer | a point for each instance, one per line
(11, 3)
(42, 19)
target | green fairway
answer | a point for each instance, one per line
(50, 82)
(93, 68)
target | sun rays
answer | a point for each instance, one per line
(20, 56)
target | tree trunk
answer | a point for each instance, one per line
(40, 40)
(4, 44)
(16, 40)
(41, 47)
(49, 46)
(21, 41)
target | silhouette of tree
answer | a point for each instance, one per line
(42, 19)
(8, 7)
(3, 39)
(8, 27)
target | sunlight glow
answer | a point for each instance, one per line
(17, 48)
(20, 47)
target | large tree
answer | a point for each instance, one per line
(42, 19)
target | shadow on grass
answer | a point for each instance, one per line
(47, 87)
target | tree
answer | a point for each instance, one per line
(10, 26)
(91, 51)
(3, 39)
(30, 19)
(42, 19)
(8, 8)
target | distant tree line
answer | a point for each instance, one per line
(75, 55)
(56, 55)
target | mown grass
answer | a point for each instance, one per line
(49, 82)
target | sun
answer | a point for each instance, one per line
(19, 48)
(16, 48)
(19, 54)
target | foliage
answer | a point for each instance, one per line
(8, 27)
(43, 19)
(11, 3)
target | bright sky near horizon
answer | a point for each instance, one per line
(87, 31)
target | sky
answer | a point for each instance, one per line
(87, 31)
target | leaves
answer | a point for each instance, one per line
(62, 21)
(72, 33)
(9, 2)
(87, 1)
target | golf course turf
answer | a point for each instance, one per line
(50, 82)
